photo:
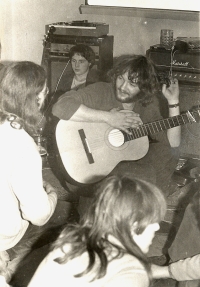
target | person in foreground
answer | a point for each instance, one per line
(28, 205)
(109, 246)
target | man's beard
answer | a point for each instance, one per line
(127, 97)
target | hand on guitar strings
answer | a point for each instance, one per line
(124, 119)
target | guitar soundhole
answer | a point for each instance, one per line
(116, 138)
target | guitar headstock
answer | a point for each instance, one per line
(194, 114)
(197, 109)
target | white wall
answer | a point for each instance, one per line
(192, 5)
(23, 23)
(22, 27)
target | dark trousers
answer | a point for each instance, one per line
(187, 240)
(37, 236)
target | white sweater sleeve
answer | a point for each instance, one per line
(187, 269)
(35, 204)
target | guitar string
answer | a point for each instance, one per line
(116, 135)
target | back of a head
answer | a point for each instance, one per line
(117, 204)
(120, 202)
(21, 82)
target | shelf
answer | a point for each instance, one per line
(141, 12)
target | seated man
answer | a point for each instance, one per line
(80, 74)
(131, 96)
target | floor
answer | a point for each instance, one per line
(162, 240)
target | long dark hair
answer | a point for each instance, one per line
(118, 203)
(142, 71)
(20, 84)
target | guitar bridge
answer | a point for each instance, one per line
(86, 146)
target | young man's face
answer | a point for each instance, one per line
(126, 91)
(79, 64)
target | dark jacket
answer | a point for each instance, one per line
(66, 82)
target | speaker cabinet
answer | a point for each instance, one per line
(185, 68)
(190, 140)
(190, 132)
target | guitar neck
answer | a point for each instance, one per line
(161, 125)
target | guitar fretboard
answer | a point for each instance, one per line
(161, 125)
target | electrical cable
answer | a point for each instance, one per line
(58, 82)
(180, 46)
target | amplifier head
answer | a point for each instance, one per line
(184, 65)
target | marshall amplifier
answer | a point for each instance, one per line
(185, 66)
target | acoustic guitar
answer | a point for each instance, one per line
(90, 151)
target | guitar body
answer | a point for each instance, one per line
(90, 151)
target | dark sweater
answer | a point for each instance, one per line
(64, 86)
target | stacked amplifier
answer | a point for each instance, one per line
(59, 39)
(184, 63)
